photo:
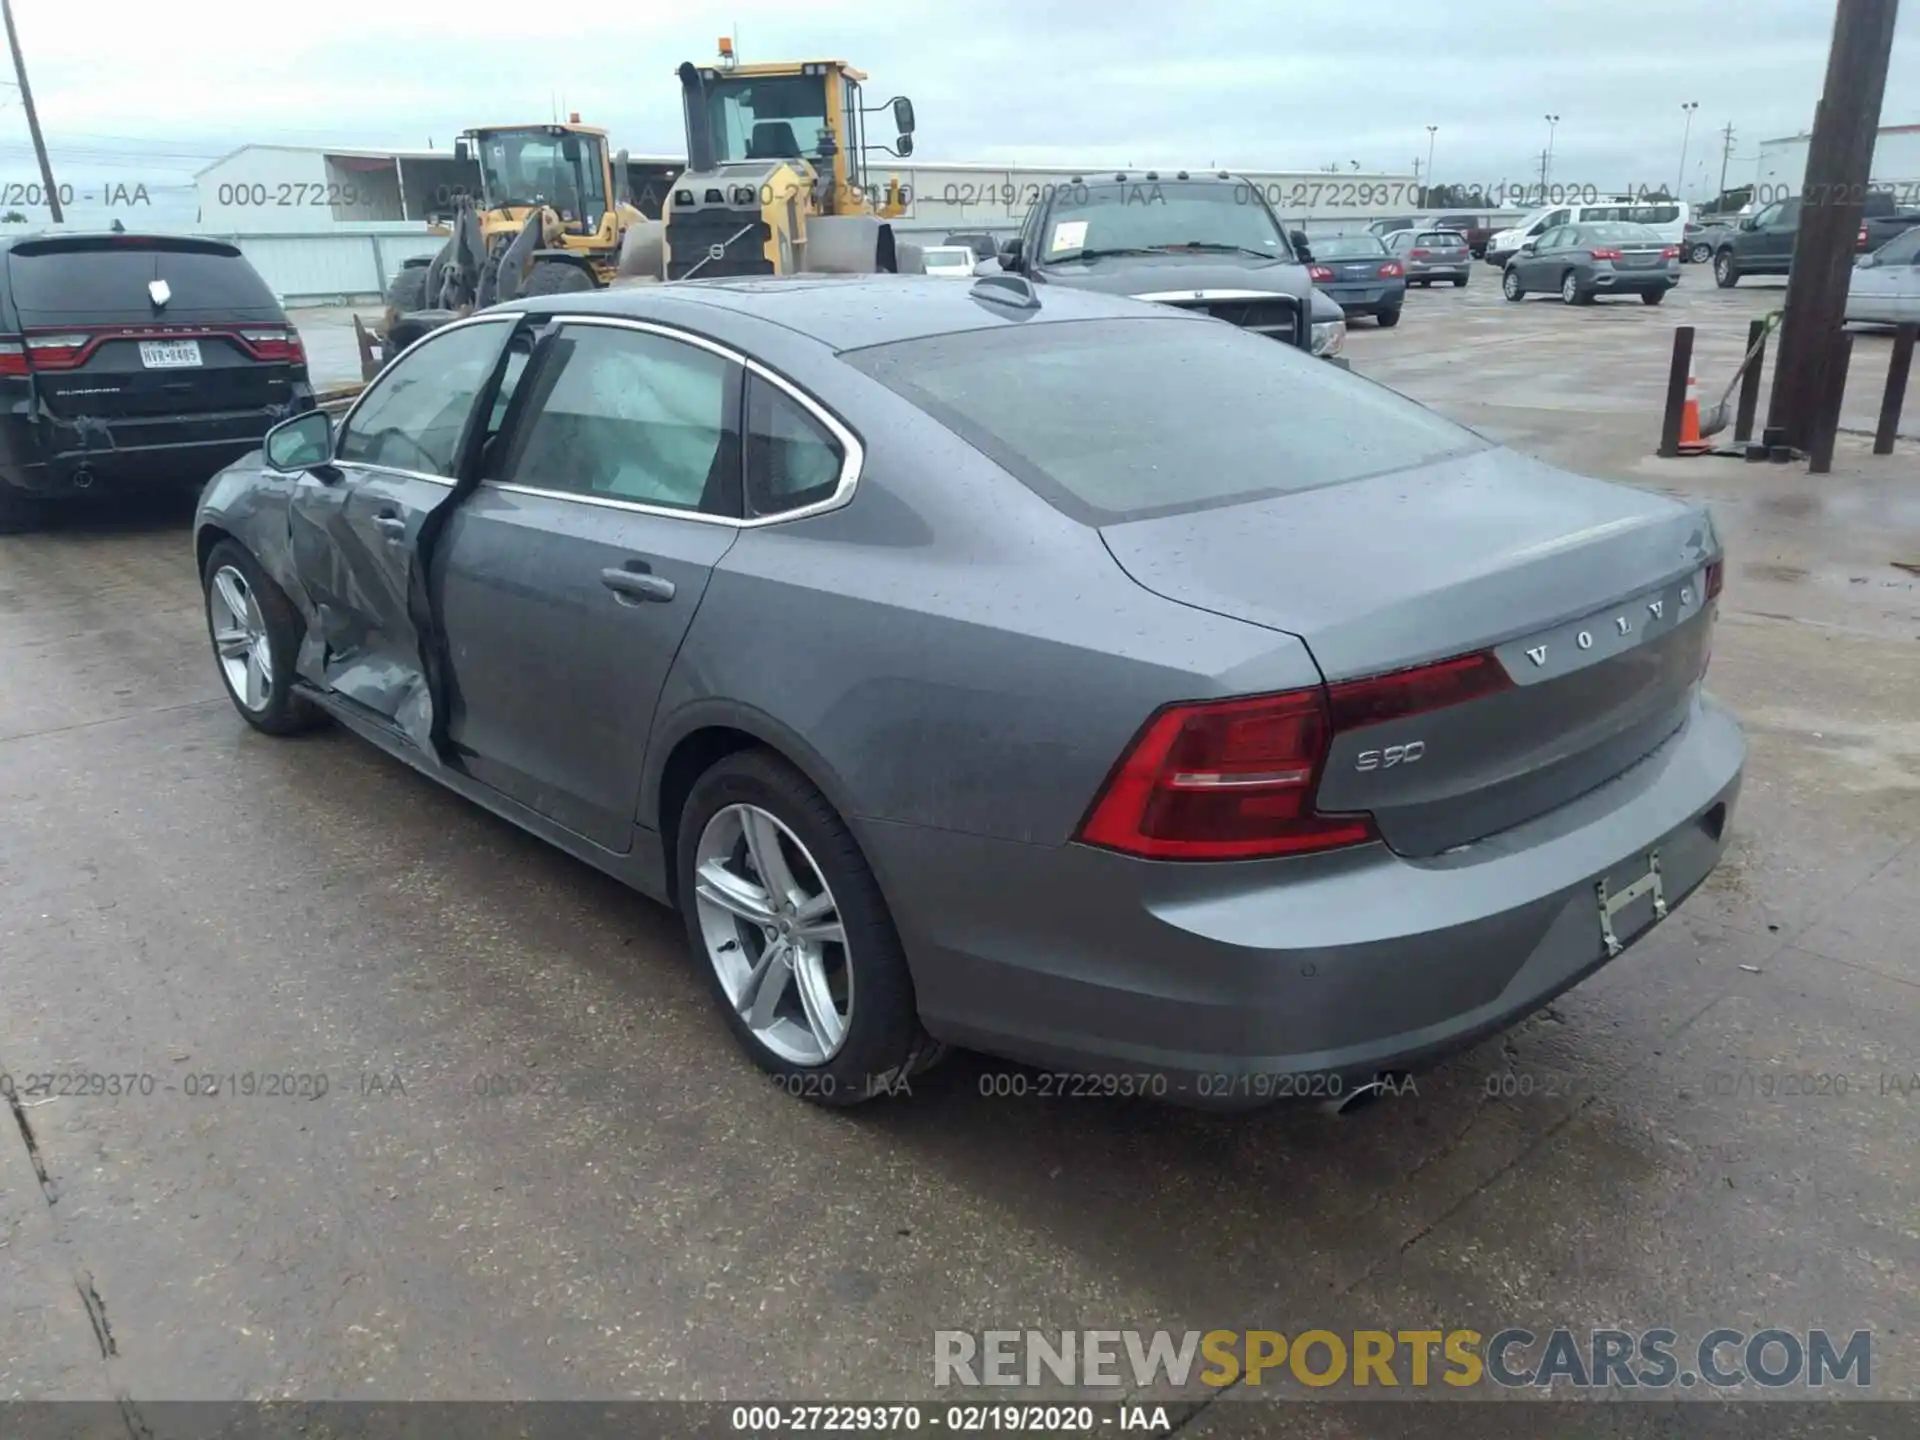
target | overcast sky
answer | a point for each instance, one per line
(155, 91)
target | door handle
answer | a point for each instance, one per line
(391, 522)
(632, 587)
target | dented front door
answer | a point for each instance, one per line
(356, 525)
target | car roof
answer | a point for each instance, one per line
(849, 312)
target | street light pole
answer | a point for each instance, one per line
(1546, 162)
(1685, 135)
(1432, 130)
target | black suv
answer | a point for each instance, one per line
(134, 361)
(1208, 243)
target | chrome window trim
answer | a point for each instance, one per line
(852, 452)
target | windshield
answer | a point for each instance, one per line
(778, 117)
(1348, 247)
(546, 165)
(948, 256)
(1159, 215)
(1112, 420)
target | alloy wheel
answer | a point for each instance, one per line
(240, 638)
(773, 934)
(1570, 290)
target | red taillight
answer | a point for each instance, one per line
(1861, 242)
(1672, 252)
(1319, 272)
(1418, 254)
(1392, 270)
(13, 357)
(1235, 779)
(275, 344)
(1715, 578)
(1604, 254)
(59, 352)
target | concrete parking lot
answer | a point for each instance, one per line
(541, 1169)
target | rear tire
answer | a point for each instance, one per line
(1511, 287)
(1570, 291)
(1726, 270)
(1389, 319)
(880, 1041)
(1652, 297)
(21, 513)
(557, 277)
(244, 607)
(1459, 282)
(1700, 254)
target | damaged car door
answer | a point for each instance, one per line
(355, 525)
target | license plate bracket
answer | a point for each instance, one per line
(1612, 902)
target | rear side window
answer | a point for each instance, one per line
(1113, 420)
(1903, 249)
(792, 459)
(1441, 239)
(90, 279)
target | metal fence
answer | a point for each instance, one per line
(333, 267)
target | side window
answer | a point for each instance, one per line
(1558, 217)
(792, 459)
(1789, 216)
(1903, 249)
(1767, 215)
(412, 419)
(630, 415)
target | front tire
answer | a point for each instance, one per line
(409, 292)
(1511, 287)
(1726, 270)
(786, 919)
(1388, 319)
(256, 636)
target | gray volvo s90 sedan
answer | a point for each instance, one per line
(1071, 677)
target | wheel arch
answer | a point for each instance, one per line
(698, 737)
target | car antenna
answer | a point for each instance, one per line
(1013, 290)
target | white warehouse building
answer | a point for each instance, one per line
(325, 224)
(1896, 164)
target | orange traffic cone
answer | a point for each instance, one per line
(1691, 442)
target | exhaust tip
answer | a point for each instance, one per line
(82, 479)
(1387, 1082)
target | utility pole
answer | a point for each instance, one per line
(1839, 159)
(1680, 185)
(1546, 165)
(33, 116)
(1726, 154)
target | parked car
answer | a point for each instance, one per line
(1666, 218)
(1762, 243)
(1004, 665)
(1431, 255)
(1474, 227)
(133, 362)
(1209, 243)
(1701, 236)
(983, 245)
(1885, 286)
(1358, 274)
(952, 261)
(1581, 262)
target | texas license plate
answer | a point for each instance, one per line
(169, 354)
(1614, 932)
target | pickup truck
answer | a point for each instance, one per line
(1762, 243)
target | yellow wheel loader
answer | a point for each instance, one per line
(777, 181)
(552, 215)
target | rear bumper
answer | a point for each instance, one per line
(51, 456)
(1633, 282)
(1367, 299)
(1244, 982)
(1444, 270)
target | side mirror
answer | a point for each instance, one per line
(300, 443)
(1010, 254)
(903, 115)
(1302, 247)
(1746, 222)
(462, 151)
(903, 147)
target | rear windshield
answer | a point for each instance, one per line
(1348, 247)
(1441, 239)
(97, 278)
(1113, 420)
(1620, 234)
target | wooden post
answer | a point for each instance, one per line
(1898, 366)
(1677, 374)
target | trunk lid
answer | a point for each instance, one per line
(1489, 551)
